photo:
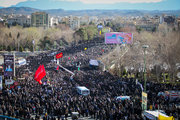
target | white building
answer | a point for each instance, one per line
(161, 20)
(74, 22)
(84, 20)
(53, 21)
(93, 19)
(20, 20)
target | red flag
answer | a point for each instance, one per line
(57, 67)
(39, 74)
(59, 55)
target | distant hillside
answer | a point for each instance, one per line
(61, 12)
(18, 10)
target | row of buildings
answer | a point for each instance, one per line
(42, 19)
(38, 19)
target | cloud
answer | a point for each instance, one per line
(8, 3)
(112, 1)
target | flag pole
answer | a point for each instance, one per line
(14, 65)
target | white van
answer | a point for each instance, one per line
(123, 98)
(83, 90)
(21, 62)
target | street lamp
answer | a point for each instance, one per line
(33, 45)
(144, 47)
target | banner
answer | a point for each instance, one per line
(118, 38)
(59, 55)
(8, 65)
(1, 87)
(165, 118)
(9, 82)
(144, 101)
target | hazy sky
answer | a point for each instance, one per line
(95, 4)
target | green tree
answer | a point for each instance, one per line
(109, 24)
(91, 32)
(10, 35)
(124, 72)
(45, 43)
(9, 48)
(154, 29)
(21, 49)
(87, 33)
(138, 29)
(91, 23)
(82, 33)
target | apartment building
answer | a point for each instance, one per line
(40, 19)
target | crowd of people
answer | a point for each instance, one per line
(57, 97)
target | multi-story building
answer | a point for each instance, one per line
(84, 20)
(75, 23)
(19, 20)
(53, 21)
(94, 19)
(40, 19)
(169, 19)
(65, 20)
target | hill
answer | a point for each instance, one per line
(18, 10)
(95, 12)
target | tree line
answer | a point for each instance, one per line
(17, 38)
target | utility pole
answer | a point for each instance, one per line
(145, 79)
(14, 65)
(144, 94)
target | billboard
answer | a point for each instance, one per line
(9, 82)
(144, 101)
(118, 38)
(8, 65)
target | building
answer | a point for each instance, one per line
(40, 19)
(169, 19)
(53, 21)
(22, 20)
(178, 22)
(93, 19)
(84, 20)
(161, 20)
(74, 22)
(65, 20)
(148, 27)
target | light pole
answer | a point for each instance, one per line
(33, 45)
(145, 79)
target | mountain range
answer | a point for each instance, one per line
(96, 12)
